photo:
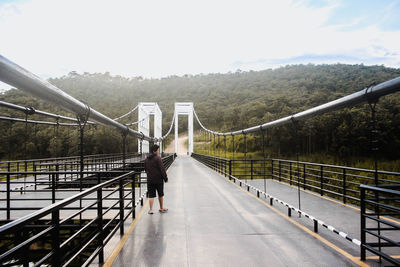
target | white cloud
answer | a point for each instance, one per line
(158, 38)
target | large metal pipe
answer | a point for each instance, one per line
(20, 78)
(367, 94)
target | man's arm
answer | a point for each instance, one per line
(163, 172)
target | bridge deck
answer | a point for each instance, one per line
(212, 222)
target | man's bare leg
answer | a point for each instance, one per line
(151, 202)
(161, 201)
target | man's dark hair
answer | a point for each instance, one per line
(154, 148)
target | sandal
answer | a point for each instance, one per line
(150, 212)
(163, 210)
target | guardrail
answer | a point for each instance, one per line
(206, 160)
(383, 201)
(74, 230)
(339, 182)
(51, 184)
(29, 164)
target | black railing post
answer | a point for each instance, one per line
(57, 175)
(290, 172)
(124, 149)
(362, 220)
(53, 188)
(55, 242)
(280, 173)
(230, 169)
(245, 157)
(225, 167)
(315, 226)
(272, 169)
(100, 220)
(304, 176)
(81, 161)
(321, 180)
(134, 196)
(34, 176)
(344, 185)
(251, 169)
(214, 153)
(26, 170)
(121, 207)
(8, 194)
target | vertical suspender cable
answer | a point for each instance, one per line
(233, 147)
(374, 150)
(25, 151)
(9, 141)
(233, 154)
(245, 157)
(209, 144)
(225, 146)
(264, 159)
(214, 153)
(297, 162)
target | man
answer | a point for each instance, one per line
(156, 175)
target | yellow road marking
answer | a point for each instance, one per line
(123, 240)
(317, 236)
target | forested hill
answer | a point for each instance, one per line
(236, 99)
(241, 99)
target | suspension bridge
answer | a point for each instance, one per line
(92, 209)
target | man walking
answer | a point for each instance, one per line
(156, 175)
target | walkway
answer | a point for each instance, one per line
(182, 146)
(213, 222)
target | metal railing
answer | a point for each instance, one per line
(74, 230)
(338, 182)
(29, 164)
(376, 229)
(53, 182)
(46, 225)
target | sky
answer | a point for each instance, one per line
(159, 38)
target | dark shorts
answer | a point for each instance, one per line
(152, 188)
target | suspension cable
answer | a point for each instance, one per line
(170, 128)
(126, 114)
(296, 137)
(364, 95)
(32, 111)
(264, 159)
(36, 122)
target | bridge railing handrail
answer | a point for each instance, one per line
(376, 202)
(123, 186)
(70, 157)
(56, 206)
(340, 182)
(308, 163)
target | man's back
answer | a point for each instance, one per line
(155, 170)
